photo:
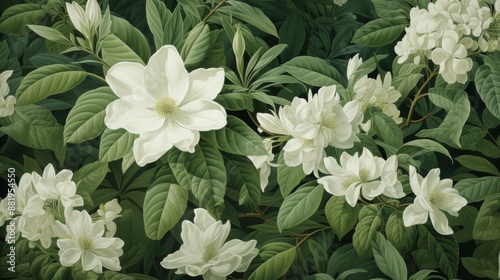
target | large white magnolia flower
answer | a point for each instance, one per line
(432, 196)
(366, 174)
(204, 251)
(86, 21)
(164, 104)
(80, 239)
(6, 101)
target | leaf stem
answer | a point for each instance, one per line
(214, 10)
(419, 95)
(309, 236)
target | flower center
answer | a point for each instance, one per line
(348, 182)
(364, 174)
(166, 107)
(85, 243)
(329, 122)
(438, 199)
(210, 252)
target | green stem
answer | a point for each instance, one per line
(97, 77)
(214, 10)
(309, 236)
(419, 95)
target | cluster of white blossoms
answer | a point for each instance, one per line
(374, 92)
(6, 101)
(433, 196)
(86, 21)
(314, 124)
(205, 252)
(44, 212)
(368, 175)
(164, 104)
(445, 31)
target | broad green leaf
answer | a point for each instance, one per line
(174, 30)
(391, 8)
(215, 54)
(235, 101)
(113, 275)
(299, 206)
(85, 121)
(430, 145)
(478, 189)
(204, 173)
(370, 221)
(268, 57)
(276, 266)
(15, 19)
(236, 138)
(90, 176)
(292, 33)
(131, 36)
(164, 205)
(487, 225)
(250, 15)
(457, 105)
(380, 32)
(487, 81)
(342, 259)
(47, 81)
(115, 50)
(481, 268)
(319, 276)
(288, 177)
(423, 275)
(465, 222)
(157, 16)
(115, 144)
(35, 127)
(50, 34)
(478, 164)
(196, 45)
(388, 258)
(444, 250)
(319, 254)
(314, 71)
(271, 249)
(268, 99)
(341, 216)
(242, 175)
(387, 129)
(400, 236)
(31, 165)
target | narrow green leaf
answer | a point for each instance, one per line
(276, 266)
(341, 216)
(50, 34)
(380, 32)
(288, 177)
(235, 101)
(242, 175)
(388, 258)
(196, 45)
(487, 225)
(251, 15)
(444, 249)
(319, 254)
(430, 145)
(157, 16)
(478, 164)
(299, 206)
(85, 121)
(400, 236)
(370, 221)
(314, 71)
(47, 81)
(236, 138)
(164, 205)
(292, 33)
(115, 144)
(478, 189)
(387, 129)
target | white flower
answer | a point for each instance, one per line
(204, 251)
(432, 196)
(28, 203)
(108, 212)
(37, 228)
(353, 65)
(452, 59)
(6, 101)
(57, 186)
(263, 163)
(86, 21)
(164, 104)
(354, 175)
(389, 177)
(80, 239)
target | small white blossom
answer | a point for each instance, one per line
(86, 21)
(205, 251)
(108, 212)
(452, 59)
(263, 163)
(6, 101)
(57, 186)
(433, 196)
(164, 104)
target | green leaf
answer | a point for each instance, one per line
(164, 205)
(115, 144)
(276, 266)
(487, 225)
(426, 144)
(31, 165)
(241, 173)
(85, 121)
(370, 221)
(456, 103)
(236, 138)
(481, 268)
(387, 129)
(251, 15)
(423, 275)
(131, 36)
(35, 127)
(271, 249)
(292, 33)
(235, 101)
(50, 34)
(15, 19)
(388, 258)
(90, 176)
(115, 50)
(342, 259)
(478, 164)
(174, 30)
(487, 81)
(204, 173)
(400, 236)
(288, 177)
(196, 45)
(113, 275)
(157, 16)
(319, 254)
(444, 250)
(391, 8)
(478, 189)
(47, 81)
(380, 32)
(341, 216)
(299, 206)
(319, 276)
(314, 71)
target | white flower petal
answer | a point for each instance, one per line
(91, 262)
(202, 115)
(440, 222)
(412, 217)
(123, 114)
(150, 146)
(271, 123)
(204, 84)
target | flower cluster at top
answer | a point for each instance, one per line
(447, 31)
(44, 212)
